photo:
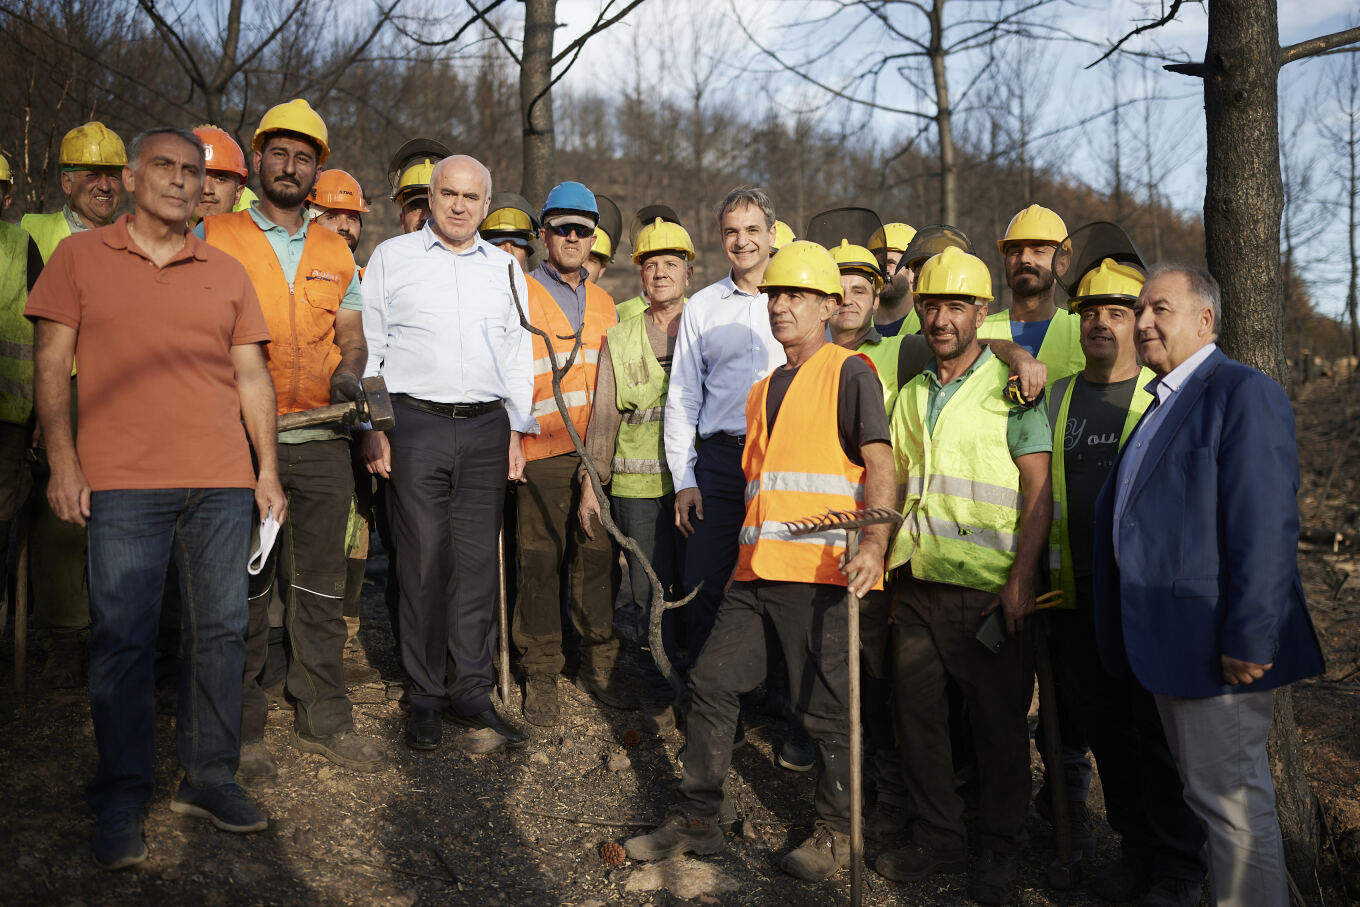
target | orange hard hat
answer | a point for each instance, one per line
(221, 151)
(337, 189)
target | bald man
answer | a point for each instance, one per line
(444, 331)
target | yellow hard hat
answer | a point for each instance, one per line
(604, 247)
(852, 259)
(892, 237)
(1108, 282)
(803, 266)
(416, 177)
(662, 236)
(6, 175)
(955, 273)
(508, 220)
(783, 235)
(1036, 224)
(294, 116)
(92, 145)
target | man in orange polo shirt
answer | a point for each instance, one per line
(169, 336)
(816, 439)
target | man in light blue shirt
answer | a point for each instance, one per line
(444, 331)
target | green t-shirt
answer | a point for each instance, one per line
(1027, 429)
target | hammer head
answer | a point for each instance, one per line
(375, 406)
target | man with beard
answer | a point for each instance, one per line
(1052, 335)
(92, 160)
(337, 203)
(309, 292)
(978, 506)
(896, 307)
(225, 178)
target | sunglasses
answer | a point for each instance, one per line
(576, 230)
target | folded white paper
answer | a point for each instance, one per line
(263, 543)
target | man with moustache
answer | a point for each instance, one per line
(1196, 578)
(566, 305)
(978, 505)
(225, 179)
(92, 159)
(162, 472)
(1034, 321)
(1092, 415)
(309, 291)
(444, 331)
(896, 309)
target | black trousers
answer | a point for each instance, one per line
(1142, 786)
(308, 567)
(711, 552)
(446, 495)
(810, 623)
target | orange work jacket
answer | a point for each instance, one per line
(796, 471)
(302, 352)
(578, 384)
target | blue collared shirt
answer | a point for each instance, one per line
(571, 300)
(724, 347)
(1163, 390)
(442, 325)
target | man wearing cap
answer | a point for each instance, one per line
(564, 303)
(896, 311)
(225, 178)
(624, 437)
(409, 174)
(817, 440)
(511, 226)
(1092, 414)
(309, 291)
(337, 203)
(978, 505)
(444, 331)
(1034, 321)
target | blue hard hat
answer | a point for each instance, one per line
(571, 196)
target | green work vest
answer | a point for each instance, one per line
(1062, 572)
(1061, 349)
(47, 230)
(884, 354)
(630, 307)
(962, 511)
(911, 324)
(639, 464)
(16, 331)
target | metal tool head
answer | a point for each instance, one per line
(375, 406)
(843, 519)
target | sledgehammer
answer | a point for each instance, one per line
(374, 406)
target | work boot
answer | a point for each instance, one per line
(257, 766)
(916, 861)
(993, 878)
(887, 822)
(540, 700)
(65, 666)
(345, 748)
(606, 688)
(821, 856)
(679, 834)
(1078, 820)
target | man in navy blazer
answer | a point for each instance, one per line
(1196, 577)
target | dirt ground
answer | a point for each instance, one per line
(527, 827)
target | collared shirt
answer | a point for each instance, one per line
(571, 300)
(724, 347)
(73, 220)
(288, 250)
(442, 325)
(1163, 390)
(158, 401)
(1027, 428)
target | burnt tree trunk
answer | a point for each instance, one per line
(949, 165)
(535, 99)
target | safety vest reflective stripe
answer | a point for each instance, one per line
(543, 366)
(620, 465)
(16, 331)
(969, 489)
(779, 532)
(643, 416)
(805, 482)
(571, 398)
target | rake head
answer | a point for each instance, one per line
(843, 519)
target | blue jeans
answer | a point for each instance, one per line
(132, 536)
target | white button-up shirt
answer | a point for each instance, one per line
(1164, 390)
(724, 347)
(442, 325)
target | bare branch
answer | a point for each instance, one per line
(1316, 46)
(341, 66)
(574, 48)
(1147, 27)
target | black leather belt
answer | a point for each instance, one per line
(450, 410)
(726, 438)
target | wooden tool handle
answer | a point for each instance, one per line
(322, 415)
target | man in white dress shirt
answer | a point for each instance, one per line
(445, 333)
